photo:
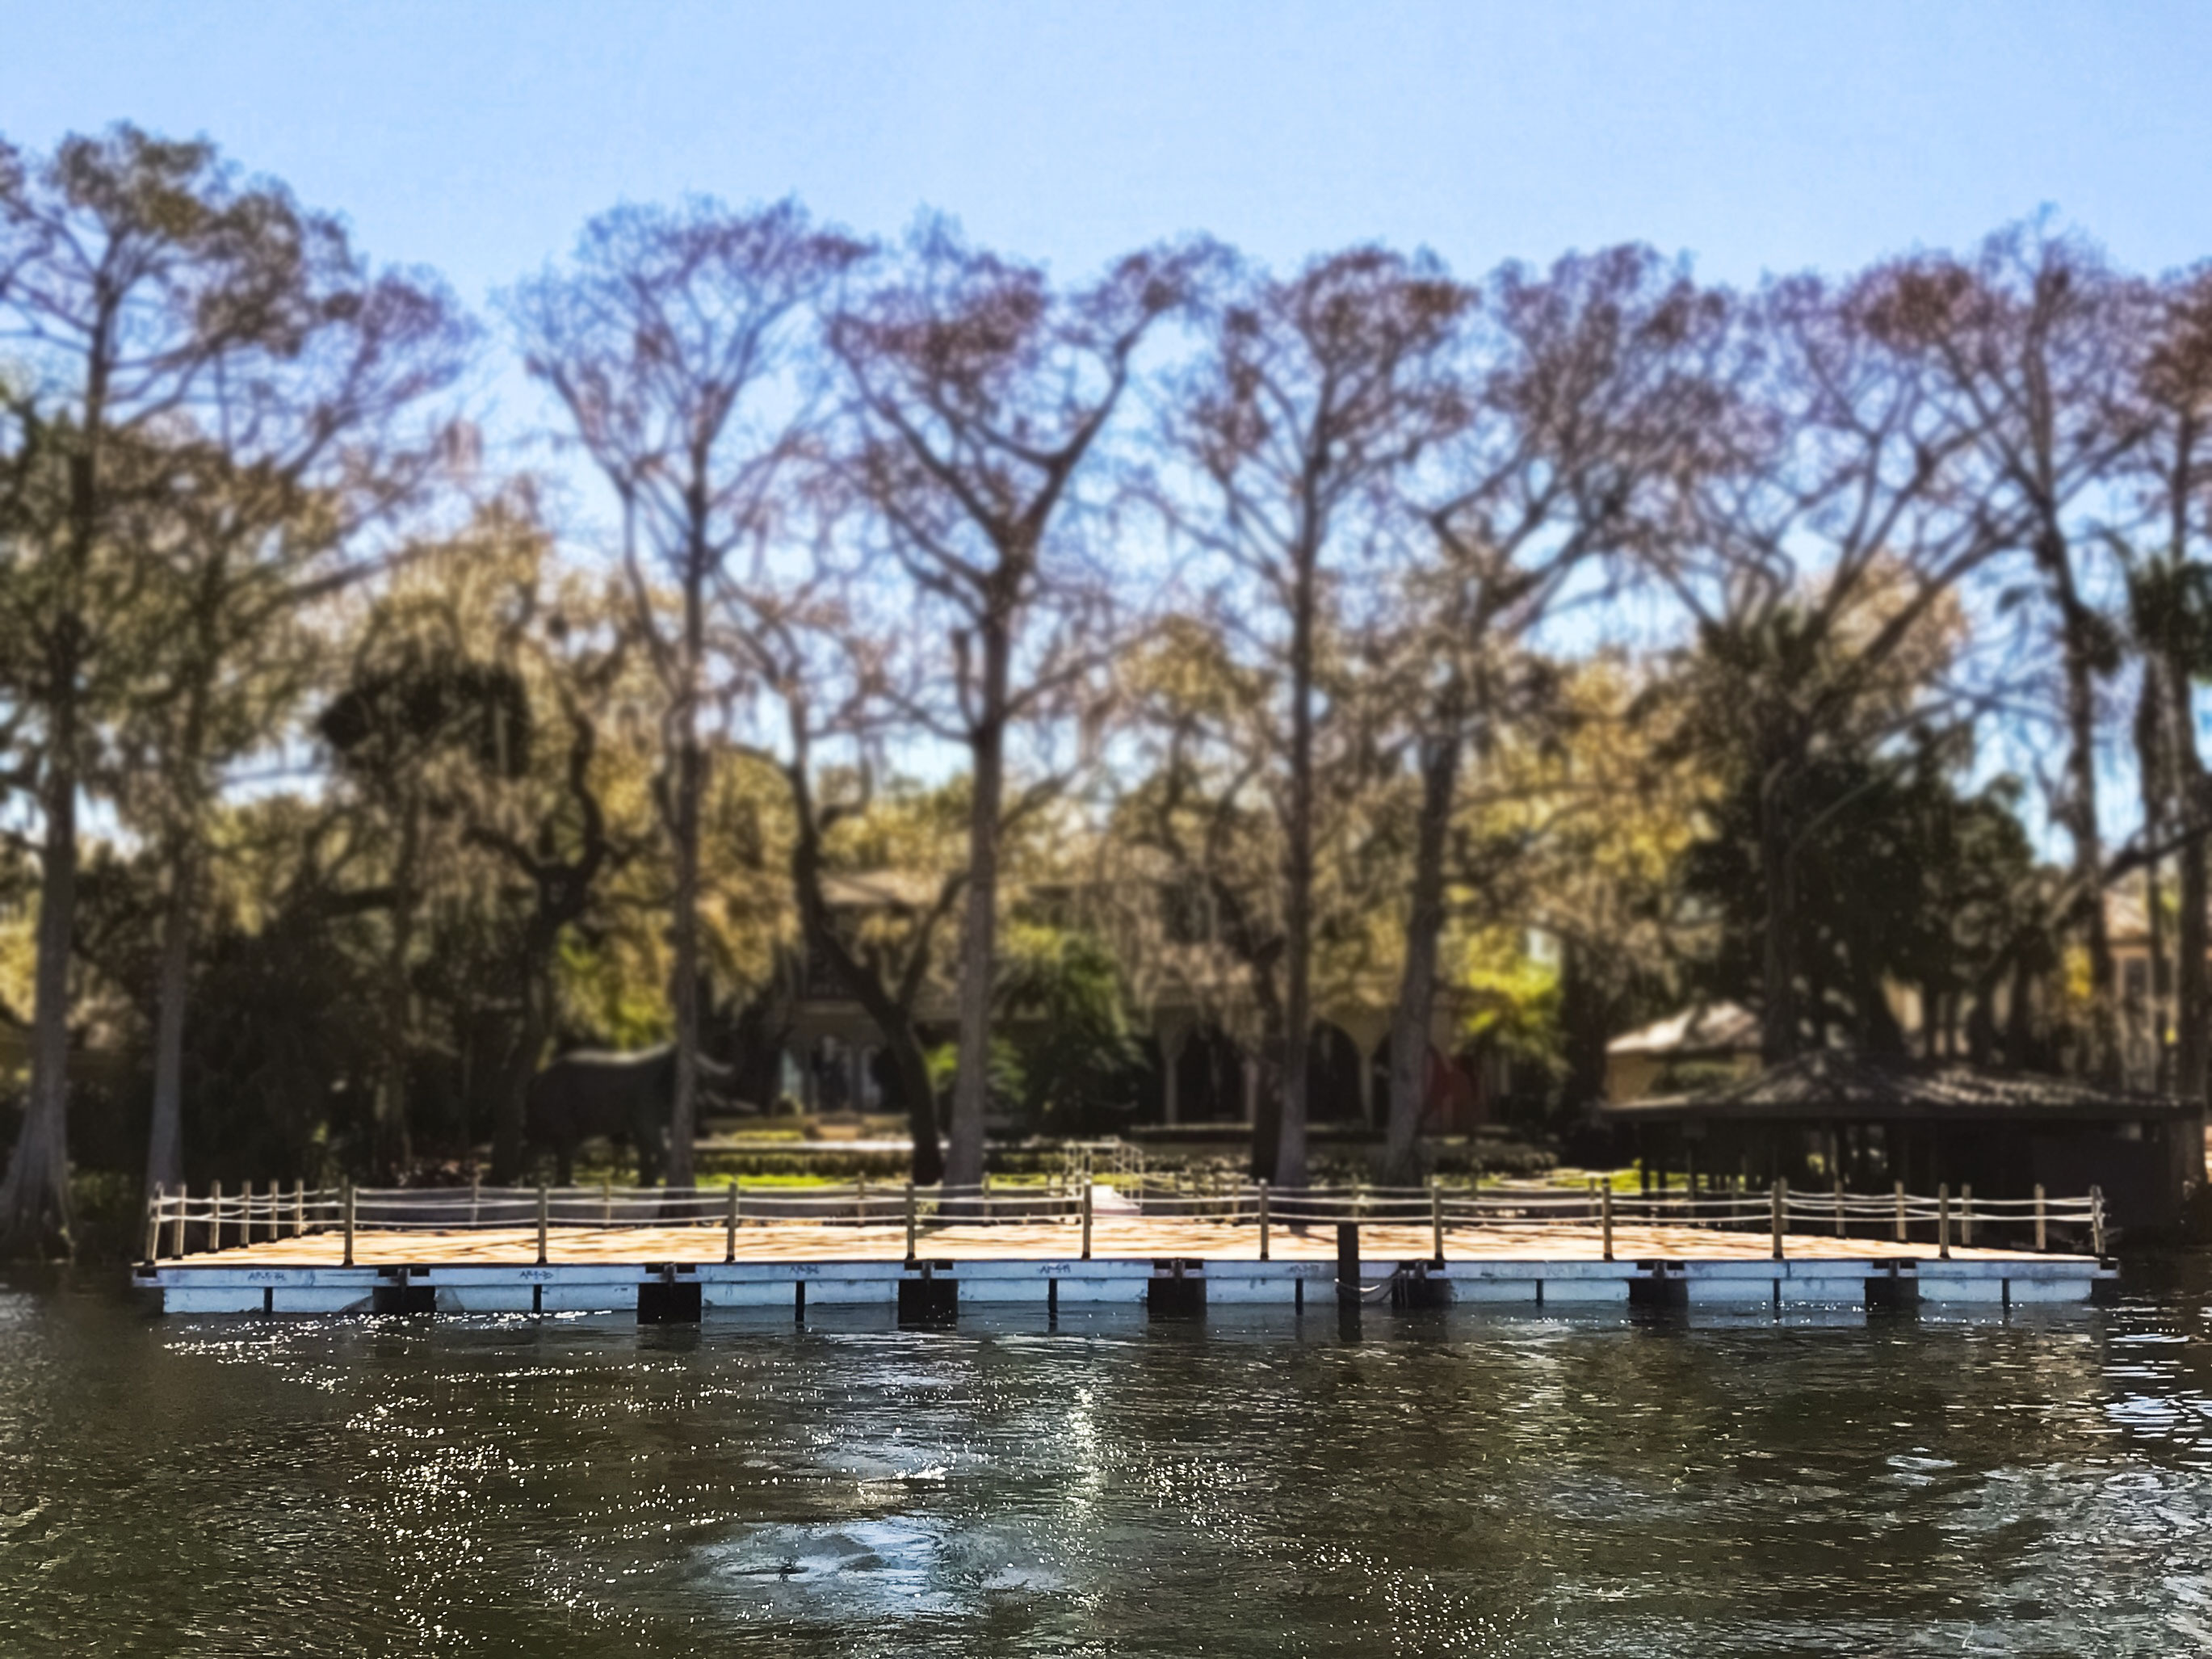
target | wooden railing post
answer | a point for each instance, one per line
(1839, 1206)
(545, 1213)
(1605, 1218)
(913, 1221)
(1436, 1219)
(153, 1225)
(183, 1203)
(1900, 1212)
(348, 1225)
(2042, 1221)
(2097, 1221)
(730, 1223)
(1263, 1221)
(298, 1208)
(861, 1200)
(1086, 1221)
(1966, 1214)
(214, 1216)
(1943, 1219)
(1778, 1199)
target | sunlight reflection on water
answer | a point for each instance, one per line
(1422, 1484)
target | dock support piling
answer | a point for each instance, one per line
(1943, 1219)
(544, 1208)
(1604, 1219)
(1778, 1201)
(348, 1225)
(729, 1225)
(2042, 1221)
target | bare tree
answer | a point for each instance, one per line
(1819, 561)
(1317, 395)
(299, 452)
(2035, 343)
(2172, 594)
(978, 392)
(675, 342)
(1588, 389)
(175, 320)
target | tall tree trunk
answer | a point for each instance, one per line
(2079, 640)
(971, 1082)
(690, 790)
(34, 1198)
(1299, 876)
(165, 1144)
(2192, 997)
(1417, 990)
(2154, 777)
(1779, 1036)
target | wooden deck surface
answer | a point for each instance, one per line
(1111, 1237)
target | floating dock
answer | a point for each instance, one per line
(1174, 1267)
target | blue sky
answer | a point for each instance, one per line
(1754, 136)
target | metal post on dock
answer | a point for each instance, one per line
(153, 1225)
(1900, 1212)
(2042, 1222)
(1086, 1221)
(1436, 1219)
(2097, 1221)
(1263, 1220)
(214, 1216)
(913, 1220)
(1966, 1214)
(1778, 1201)
(545, 1209)
(1943, 1219)
(729, 1225)
(1604, 1218)
(347, 1262)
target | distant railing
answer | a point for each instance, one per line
(179, 1222)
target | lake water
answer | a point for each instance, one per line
(1418, 1484)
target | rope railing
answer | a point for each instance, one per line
(182, 1222)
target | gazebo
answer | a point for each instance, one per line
(1872, 1122)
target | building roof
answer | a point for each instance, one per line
(1714, 1028)
(1832, 1085)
